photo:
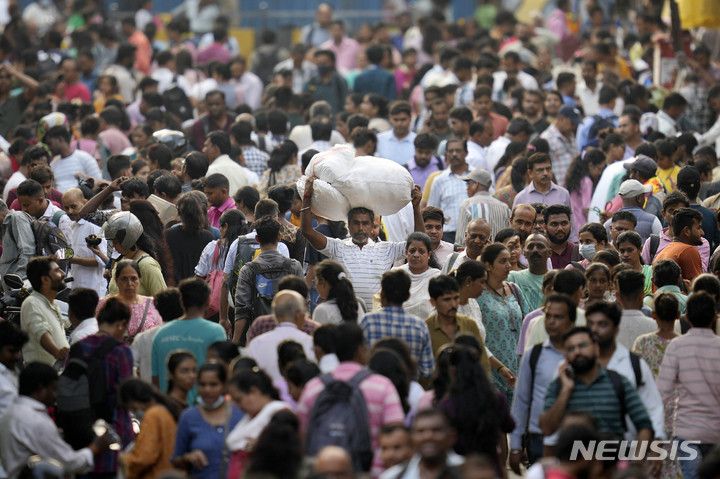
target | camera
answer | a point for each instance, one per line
(92, 240)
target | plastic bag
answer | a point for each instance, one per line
(326, 201)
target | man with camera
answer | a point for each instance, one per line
(86, 267)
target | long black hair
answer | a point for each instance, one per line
(388, 363)
(174, 361)
(579, 168)
(236, 225)
(513, 149)
(257, 378)
(341, 289)
(135, 389)
(279, 439)
(282, 155)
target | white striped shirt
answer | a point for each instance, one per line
(365, 266)
(64, 169)
(447, 193)
(482, 205)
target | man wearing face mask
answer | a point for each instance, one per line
(583, 384)
(537, 252)
(327, 84)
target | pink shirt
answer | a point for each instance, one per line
(214, 51)
(215, 212)
(345, 53)
(78, 90)
(381, 397)
(137, 311)
(115, 140)
(690, 365)
(580, 201)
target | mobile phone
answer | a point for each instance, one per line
(569, 372)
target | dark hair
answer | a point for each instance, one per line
(36, 376)
(491, 252)
(192, 214)
(675, 198)
(608, 257)
(440, 285)
(388, 363)
(38, 267)
(268, 230)
(174, 360)
(31, 189)
(631, 237)
(294, 283)
(217, 368)
(396, 286)
(537, 159)
(289, 351)
(666, 306)
(116, 164)
(597, 230)
(341, 289)
(245, 380)
(160, 154)
(169, 185)
(506, 233)
(593, 267)
(225, 350)
(433, 213)
(266, 207)
(469, 270)
(324, 338)
(688, 181)
(684, 218)
(674, 100)
(301, 371)
(114, 310)
(707, 282)
(349, 338)
(380, 103)
(579, 168)
(42, 174)
(360, 210)
(279, 439)
(83, 302)
(283, 195)
(135, 187)
(281, 156)
(221, 140)
(570, 437)
(568, 281)
(58, 132)
(666, 272)
(217, 181)
(11, 335)
(194, 293)
(247, 195)
(35, 152)
(136, 389)
(556, 210)
(579, 330)
(361, 136)
(565, 299)
(630, 284)
(513, 149)
(167, 302)
(424, 239)
(701, 309)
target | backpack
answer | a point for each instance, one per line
(245, 253)
(50, 240)
(177, 102)
(616, 380)
(654, 245)
(598, 125)
(340, 417)
(266, 285)
(266, 64)
(82, 394)
(534, 358)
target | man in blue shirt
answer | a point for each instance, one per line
(376, 79)
(398, 144)
(588, 130)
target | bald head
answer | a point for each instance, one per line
(289, 306)
(323, 15)
(73, 201)
(334, 461)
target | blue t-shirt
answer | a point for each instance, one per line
(194, 433)
(194, 335)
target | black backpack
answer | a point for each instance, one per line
(265, 284)
(50, 240)
(177, 102)
(82, 394)
(340, 417)
(598, 125)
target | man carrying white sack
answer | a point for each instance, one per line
(364, 260)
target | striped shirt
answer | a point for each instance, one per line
(562, 151)
(365, 266)
(690, 365)
(381, 398)
(482, 205)
(447, 193)
(394, 322)
(599, 399)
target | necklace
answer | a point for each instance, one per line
(502, 295)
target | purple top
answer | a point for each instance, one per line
(554, 196)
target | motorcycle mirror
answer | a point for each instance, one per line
(14, 281)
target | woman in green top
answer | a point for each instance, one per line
(629, 245)
(127, 236)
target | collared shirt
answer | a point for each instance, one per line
(263, 348)
(394, 321)
(255, 159)
(562, 151)
(675, 290)
(477, 155)
(536, 333)
(555, 195)
(263, 324)
(444, 250)
(8, 389)
(345, 53)
(447, 193)
(28, 430)
(690, 367)
(381, 399)
(86, 328)
(633, 323)
(232, 170)
(215, 212)
(647, 224)
(37, 317)
(589, 98)
(420, 174)
(534, 401)
(600, 399)
(18, 241)
(412, 469)
(482, 205)
(393, 148)
(142, 352)
(87, 276)
(648, 391)
(365, 266)
(600, 195)
(703, 249)
(464, 325)
(64, 169)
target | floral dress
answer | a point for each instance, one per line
(651, 347)
(502, 318)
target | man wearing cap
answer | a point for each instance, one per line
(480, 204)
(561, 138)
(633, 194)
(643, 168)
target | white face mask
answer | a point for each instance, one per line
(587, 251)
(212, 406)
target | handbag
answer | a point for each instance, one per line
(215, 281)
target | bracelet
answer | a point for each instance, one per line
(306, 208)
(307, 196)
(515, 451)
(500, 368)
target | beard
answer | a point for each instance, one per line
(583, 364)
(558, 239)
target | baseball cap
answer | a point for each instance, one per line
(478, 175)
(642, 163)
(630, 188)
(572, 112)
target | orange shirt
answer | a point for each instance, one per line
(686, 256)
(154, 445)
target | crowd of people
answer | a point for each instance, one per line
(552, 282)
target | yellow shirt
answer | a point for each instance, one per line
(428, 186)
(465, 325)
(666, 175)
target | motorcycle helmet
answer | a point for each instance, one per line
(173, 139)
(124, 227)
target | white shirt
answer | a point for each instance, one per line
(86, 328)
(648, 391)
(413, 467)
(399, 225)
(142, 352)
(589, 98)
(8, 393)
(14, 180)
(526, 80)
(599, 198)
(87, 276)
(164, 76)
(251, 87)
(232, 170)
(493, 154)
(232, 252)
(65, 169)
(301, 135)
(300, 76)
(263, 348)
(633, 323)
(27, 431)
(477, 155)
(666, 125)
